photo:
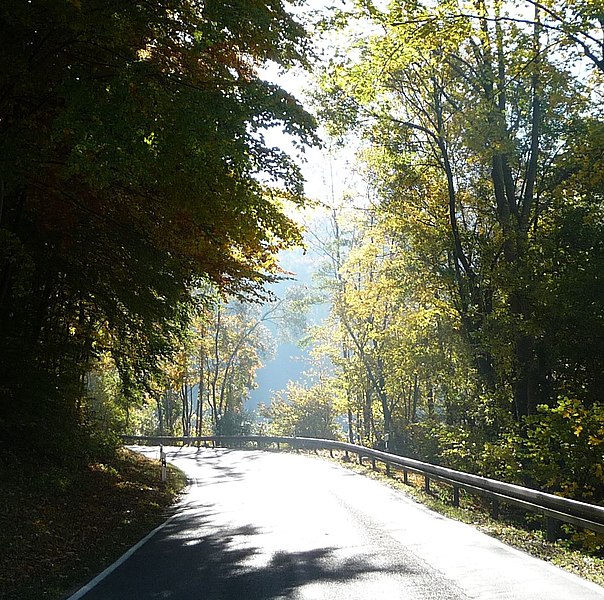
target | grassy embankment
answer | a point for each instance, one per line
(59, 528)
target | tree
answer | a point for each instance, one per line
(131, 162)
(395, 345)
(475, 295)
(239, 341)
(466, 116)
(302, 412)
(333, 339)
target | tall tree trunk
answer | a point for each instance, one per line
(200, 393)
(350, 425)
(160, 416)
(526, 384)
(367, 414)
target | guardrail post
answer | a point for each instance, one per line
(455, 496)
(406, 478)
(373, 463)
(551, 529)
(331, 452)
(360, 458)
(426, 484)
(495, 509)
(388, 469)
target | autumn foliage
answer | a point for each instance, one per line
(131, 168)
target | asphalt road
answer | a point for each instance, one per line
(257, 525)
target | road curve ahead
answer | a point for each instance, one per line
(260, 525)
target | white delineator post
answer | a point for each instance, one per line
(164, 464)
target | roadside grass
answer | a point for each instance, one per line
(58, 529)
(523, 532)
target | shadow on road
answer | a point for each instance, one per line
(221, 566)
(213, 459)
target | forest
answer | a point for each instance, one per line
(142, 213)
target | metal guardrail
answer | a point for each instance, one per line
(555, 508)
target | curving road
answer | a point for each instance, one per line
(258, 525)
